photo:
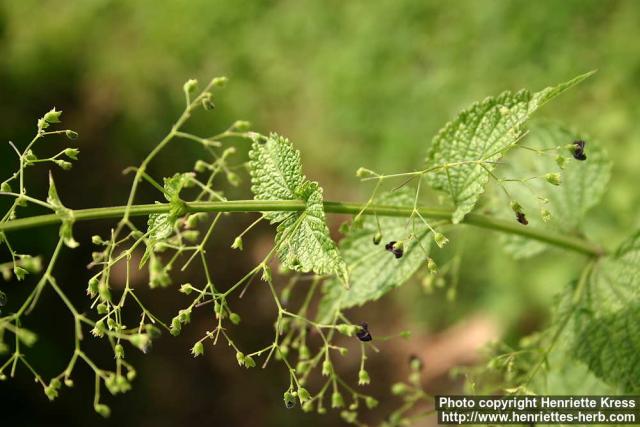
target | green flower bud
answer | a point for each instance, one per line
(219, 81)
(370, 402)
(19, 272)
(237, 243)
(102, 410)
(71, 153)
(363, 377)
(52, 116)
(307, 406)
(102, 308)
(432, 266)
(184, 315)
(303, 352)
(197, 349)
(141, 341)
(235, 318)
(241, 125)
(303, 395)
(349, 417)
(240, 358)
(71, 134)
(553, 178)
(365, 173)
(440, 239)
(176, 326)
(186, 288)
(118, 351)
(5, 187)
(337, 401)
(377, 238)
(190, 86)
(249, 362)
(346, 329)
(546, 215)
(399, 389)
(560, 161)
(327, 368)
(63, 164)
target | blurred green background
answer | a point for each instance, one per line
(355, 83)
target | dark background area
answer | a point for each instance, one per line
(352, 84)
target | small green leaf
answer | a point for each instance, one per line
(160, 226)
(479, 137)
(372, 269)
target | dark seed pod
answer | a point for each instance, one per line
(577, 150)
(396, 248)
(363, 334)
(522, 219)
(289, 400)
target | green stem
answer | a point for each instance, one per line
(575, 244)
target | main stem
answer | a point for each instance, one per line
(567, 242)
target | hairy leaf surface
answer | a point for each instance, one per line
(605, 323)
(303, 242)
(472, 143)
(373, 270)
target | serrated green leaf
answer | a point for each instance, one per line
(303, 242)
(160, 226)
(174, 185)
(302, 239)
(276, 172)
(583, 186)
(477, 138)
(373, 270)
(604, 330)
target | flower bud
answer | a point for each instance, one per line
(337, 401)
(303, 395)
(440, 239)
(365, 173)
(186, 288)
(327, 368)
(197, 349)
(71, 153)
(118, 351)
(370, 402)
(71, 134)
(363, 377)
(237, 243)
(377, 238)
(52, 116)
(190, 86)
(432, 266)
(240, 358)
(553, 178)
(399, 389)
(102, 410)
(235, 318)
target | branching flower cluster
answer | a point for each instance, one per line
(388, 240)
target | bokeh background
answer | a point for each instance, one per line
(355, 83)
